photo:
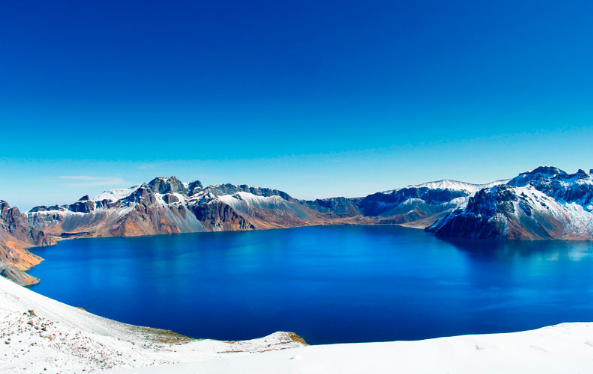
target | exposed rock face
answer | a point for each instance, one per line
(545, 203)
(82, 206)
(538, 174)
(230, 189)
(16, 275)
(194, 187)
(218, 216)
(167, 185)
(170, 198)
(420, 205)
(15, 236)
(413, 204)
(15, 224)
(559, 184)
(338, 206)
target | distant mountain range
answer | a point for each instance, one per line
(545, 203)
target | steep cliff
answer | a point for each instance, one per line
(543, 204)
(16, 235)
(419, 205)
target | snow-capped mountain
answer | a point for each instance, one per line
(545, 203)
(167, 205)
(448, 184)
(420, 205)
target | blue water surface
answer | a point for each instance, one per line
(333, 284)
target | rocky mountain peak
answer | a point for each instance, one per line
(9, 217)
(143, 195)
(547, 171)
(581, 174)
(194, 187)
(537, 174)
(167, 185)
(4, 205)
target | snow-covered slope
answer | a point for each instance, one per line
(116, 194)
(41, 335)
(448, 184)
(545, 203)
(420, 205)
(561, 349)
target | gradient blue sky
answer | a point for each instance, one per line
(317, 98)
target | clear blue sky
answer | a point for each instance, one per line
(318, 98)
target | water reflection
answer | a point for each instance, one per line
(507, 250)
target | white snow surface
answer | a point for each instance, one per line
(447, 184)
(41, 335)
(560, 349)
(247, 199)
(116, 194)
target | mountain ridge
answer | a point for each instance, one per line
(545, 203)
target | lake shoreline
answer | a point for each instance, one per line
(261, 282)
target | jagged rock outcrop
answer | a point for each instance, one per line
(218, 216)
(558, 184)
(231, 189)
(16, 275)
(337, 206)
(168, 185)
(15, 224)
(543, 204)
(16, 235)
(412, 204)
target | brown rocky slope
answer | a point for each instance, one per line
(16, 235)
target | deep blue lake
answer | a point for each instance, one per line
(328, 284)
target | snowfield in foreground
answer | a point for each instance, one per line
(41, 335)
(565, 348)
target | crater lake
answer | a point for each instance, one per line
(330, 284)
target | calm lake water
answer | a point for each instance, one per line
(328, 284)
